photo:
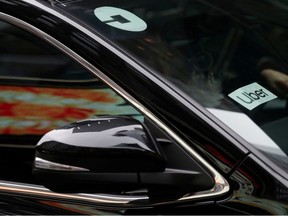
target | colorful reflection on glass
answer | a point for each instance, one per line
(34, 110)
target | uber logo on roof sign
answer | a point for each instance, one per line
(119, 18)
(252, 95)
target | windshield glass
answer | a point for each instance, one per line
(228, 55)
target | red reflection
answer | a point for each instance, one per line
(32, 110)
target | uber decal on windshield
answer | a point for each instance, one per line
(252, 95)
(119, 18)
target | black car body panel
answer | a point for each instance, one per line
(255, 188)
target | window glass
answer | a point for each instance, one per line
(229, 56)
(42, 89)
(23, 57)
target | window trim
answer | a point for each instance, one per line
(220, 188)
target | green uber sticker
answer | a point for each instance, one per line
(252, 95)
(119, 18)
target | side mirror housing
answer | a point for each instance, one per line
(113, 154)
(80, 153)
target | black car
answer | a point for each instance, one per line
(143, 107)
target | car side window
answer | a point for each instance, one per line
(42, 89)
(23, 56)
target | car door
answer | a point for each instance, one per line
(43, 89)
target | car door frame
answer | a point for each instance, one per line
(221, 187)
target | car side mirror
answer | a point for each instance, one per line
(99, 151)
(111, 154)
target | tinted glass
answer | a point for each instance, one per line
(229, 56)
(42, 89)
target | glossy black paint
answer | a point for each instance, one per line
(103, 144)
(23, 205)
(250, 182)
(105, 154)
(256, 191)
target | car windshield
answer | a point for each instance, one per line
(228, 55)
